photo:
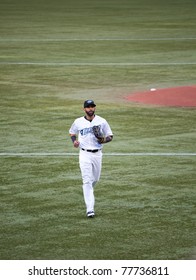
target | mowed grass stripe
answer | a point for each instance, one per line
(105, 154)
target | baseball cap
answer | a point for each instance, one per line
(89, 103)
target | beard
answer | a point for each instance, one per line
(90, 113)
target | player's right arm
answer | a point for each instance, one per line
(76, 143)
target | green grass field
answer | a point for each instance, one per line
(53, 56)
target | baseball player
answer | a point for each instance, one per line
(89, 133)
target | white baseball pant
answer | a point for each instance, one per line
(90, 166)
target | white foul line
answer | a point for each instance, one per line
(45, 154)
(97, 63)
(91, 39)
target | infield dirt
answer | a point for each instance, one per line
(177, 96)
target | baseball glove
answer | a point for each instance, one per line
(98, 134)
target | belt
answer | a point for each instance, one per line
(91, 151)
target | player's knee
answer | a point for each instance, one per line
(87, 183)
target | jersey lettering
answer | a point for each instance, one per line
(85, 131)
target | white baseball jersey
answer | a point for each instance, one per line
(83, 128)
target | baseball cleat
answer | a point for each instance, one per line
(90, 214)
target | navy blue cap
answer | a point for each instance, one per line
(89, 103)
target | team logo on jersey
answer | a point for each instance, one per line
(86, 131)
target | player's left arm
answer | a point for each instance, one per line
(108, 139)
(108, 133)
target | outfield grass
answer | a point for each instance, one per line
(53, 56)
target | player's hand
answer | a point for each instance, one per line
(76, 144)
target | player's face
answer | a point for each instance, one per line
(90, 110)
